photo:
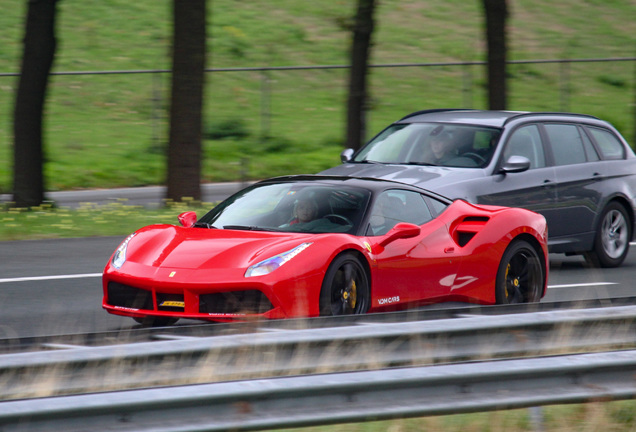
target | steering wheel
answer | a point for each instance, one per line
(478, 158)
(337, 219)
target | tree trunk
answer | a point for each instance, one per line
(188, 70)
(496, 14)
(361, 47)
(37, 60)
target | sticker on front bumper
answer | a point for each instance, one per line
(172, 303)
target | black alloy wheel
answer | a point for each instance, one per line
(520, 276)
(345, 289)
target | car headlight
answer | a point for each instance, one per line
(269, 265)
(119, 258)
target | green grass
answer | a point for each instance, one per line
(611, 417)
(110, 130)
(89, 220)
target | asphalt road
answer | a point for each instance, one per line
(51, 287)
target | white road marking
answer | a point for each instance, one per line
(43, 278)
(582, 285)
(93, 275)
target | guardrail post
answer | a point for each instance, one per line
(536, 418)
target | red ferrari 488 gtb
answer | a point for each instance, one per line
(305, 246)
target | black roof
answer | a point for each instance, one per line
(373, 184)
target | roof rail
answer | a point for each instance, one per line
(534, 113)
(436, 110)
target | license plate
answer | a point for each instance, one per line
(172, 303)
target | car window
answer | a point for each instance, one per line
(608, 144)
(292, 207)
(394, 206)
(437, 206)
(469, 146)
(526, 142)
(590, 151)
(566, 144)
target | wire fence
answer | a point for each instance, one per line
(303, 107)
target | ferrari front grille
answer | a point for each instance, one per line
(128, 297)
(235, 302)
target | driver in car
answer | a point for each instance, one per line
(306, 210)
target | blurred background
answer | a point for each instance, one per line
(277, 76)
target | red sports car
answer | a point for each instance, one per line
(304, 246)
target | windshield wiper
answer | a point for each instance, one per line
(203, 225)
(250, 228)
(240, 227)
(420, 163)
(367, 161)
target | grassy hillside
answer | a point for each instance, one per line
(110, 130)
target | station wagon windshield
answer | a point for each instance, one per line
(432, 144)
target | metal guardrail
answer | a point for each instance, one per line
(335, 398)
(361, 346)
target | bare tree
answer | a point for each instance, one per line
(496, 13)
(37, 60)
(360, 49)
(188, 69)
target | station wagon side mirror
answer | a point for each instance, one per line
(187, 219)
(402, 230)
(346, 155)
(516, 164)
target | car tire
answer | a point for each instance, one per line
(345, 288)
(611, 242)
(151, 321)
(520, 276)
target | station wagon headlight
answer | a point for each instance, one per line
(269, 265)
(119, 258)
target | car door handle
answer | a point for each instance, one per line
(547, 183)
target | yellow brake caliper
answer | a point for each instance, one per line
(515, 282)
(350, 295)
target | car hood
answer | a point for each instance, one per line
(175, 247)
(443, 180)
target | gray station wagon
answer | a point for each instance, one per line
(576, 170)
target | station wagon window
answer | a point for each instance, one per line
(610, 146)
(437, 206)
(394, 206)
(568, 145)
(526, 142)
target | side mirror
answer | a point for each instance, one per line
(346, 155)
(187, 219)
(402, 230)
(516, 164)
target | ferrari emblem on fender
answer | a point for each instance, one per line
(172, 274)
(368, 246)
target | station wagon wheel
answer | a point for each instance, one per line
(345, 289)
(611, 242)
(520, 275)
